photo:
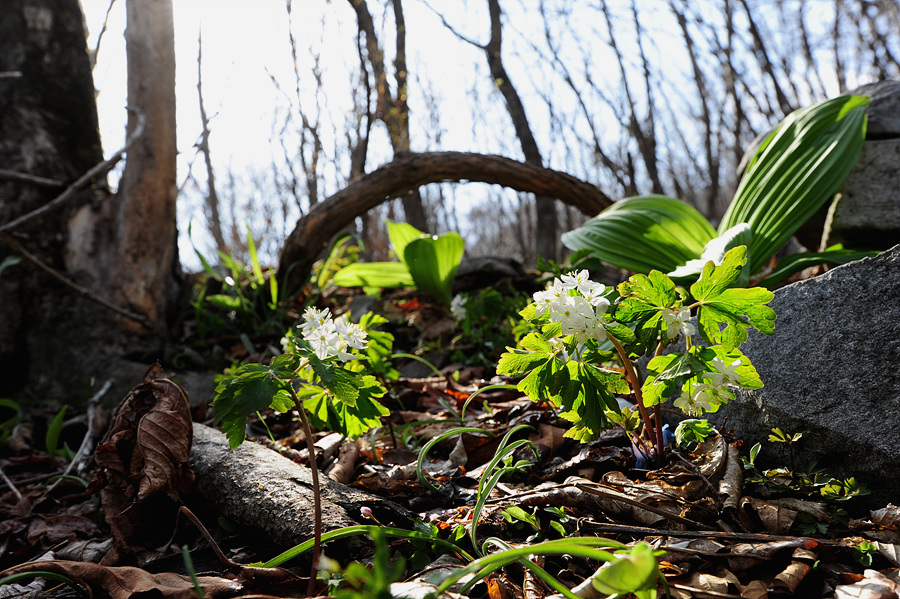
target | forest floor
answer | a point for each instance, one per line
(723, 527)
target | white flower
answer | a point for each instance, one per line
(593, 292)
(325, 340)
(678, 322)
(574, 313)
(723, 375)
(313, 318)
(352, 333)
(458, 307)
(545, 299)
(329, 337)
(695, 400)
(575, 281)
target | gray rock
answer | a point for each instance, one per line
(832, 368)
(867, 213)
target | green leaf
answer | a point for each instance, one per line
(798, 168)
(8, 262)
(351, 420)
(632, 572)
(226, 302)
(250, 389)
(645, 293)
(433, 262)
(736, 309)
(795, 263)
(254, 260)
(400, 235)
(373, 274)
(657, 390)
(715, 251)
(692, 430)
(51, 439)
(644, 233)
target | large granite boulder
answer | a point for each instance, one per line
(867, 213)
(832, 368)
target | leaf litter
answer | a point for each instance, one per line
(722, 536)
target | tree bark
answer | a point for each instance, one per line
(118, 253)
(146, 270)
(48, 128)
(409, 171)
(547, 234)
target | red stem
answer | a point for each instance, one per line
(317, 499)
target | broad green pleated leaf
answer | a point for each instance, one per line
(400, 235)
(644, 233)
(795, 171)
(433, 261)
(373, 274)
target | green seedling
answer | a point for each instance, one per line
(426, 262)
(864, 553)
(322, 373)
(583, 327)
(51, 440)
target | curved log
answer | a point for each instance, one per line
(407, 172)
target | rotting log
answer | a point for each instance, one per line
(257, 487)
(407, 172)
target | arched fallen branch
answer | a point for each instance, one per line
(409, 171)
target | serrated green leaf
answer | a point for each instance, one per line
(684, 365)
(654, 291)
(715, 251)
(350, 420)
(692, 430)
(536, 343)
(716, 278)
(345, 386)
(285, 366)
(250, 389)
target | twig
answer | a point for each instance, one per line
(79, 183)
(70, 284)
(595, 489)
(23, 503)
(88, 436)
(317, 494)
(699, 534)
(8, 175)
(10, 75)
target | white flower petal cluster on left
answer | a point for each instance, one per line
(330, 337)
(577, 304)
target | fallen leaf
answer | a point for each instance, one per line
(126, 582)
(874, 585)
(776, 519)
(143, 462)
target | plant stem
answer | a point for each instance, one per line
(317, 495)
(632, 377)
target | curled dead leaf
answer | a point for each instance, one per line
(143, 462)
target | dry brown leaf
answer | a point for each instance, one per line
(874, 585)
(790, 578)
(890, 551)
(130, 583)
(777, 520)
(143, 463)
(887, 517)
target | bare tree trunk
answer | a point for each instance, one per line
(548, 232)
(392, 110)
(146, 268)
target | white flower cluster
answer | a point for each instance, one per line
(577, 303)
(458, 307)
(705, 397)
(332, 337)
(678, 322)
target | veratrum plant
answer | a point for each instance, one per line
(799, 167)
(427, 262)
(584, 326)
